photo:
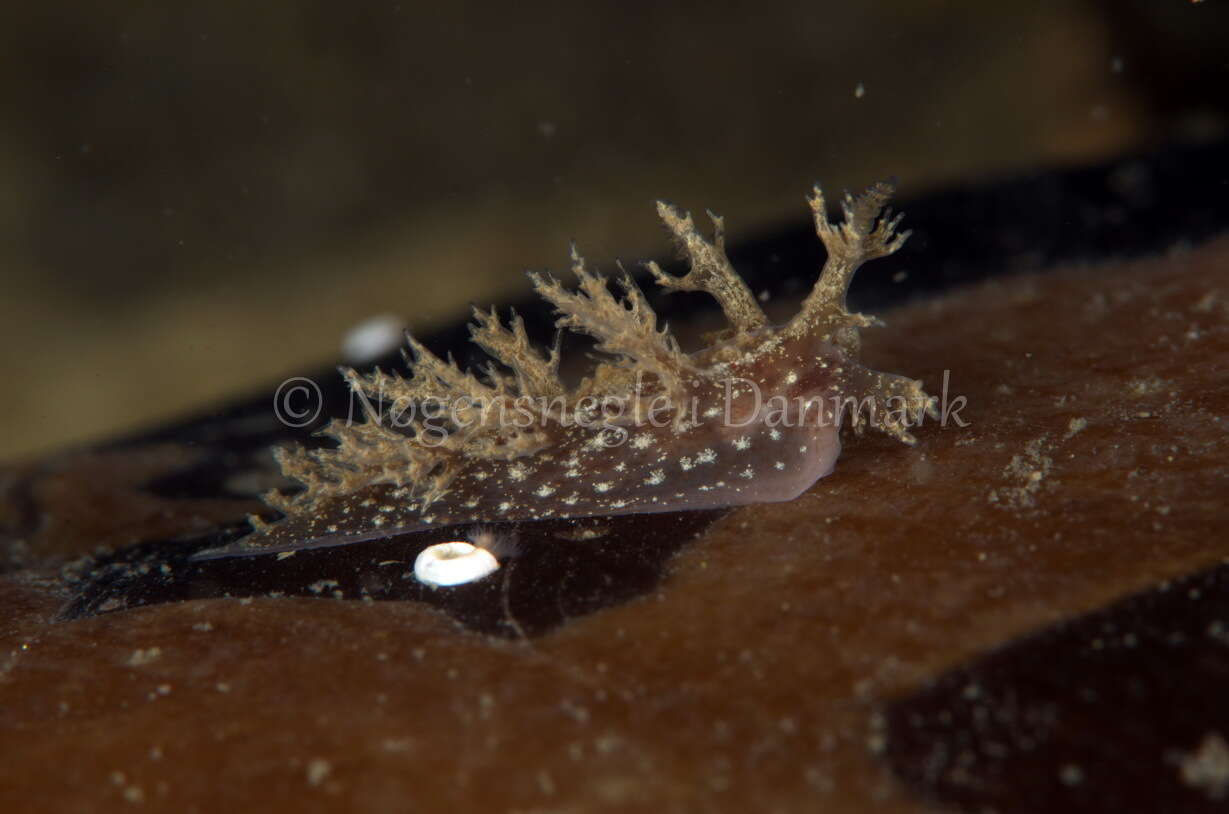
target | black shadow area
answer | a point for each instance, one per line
(1125, 709)
(561, 569)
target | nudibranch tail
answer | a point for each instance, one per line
(753, 417)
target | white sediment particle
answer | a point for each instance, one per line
(472, 503)
(503, 507)
(1075, 427)
(1071, 774)
(706, 456)
(318, 770)
(481, 474)
(655, 477)
(779, 465)
(321, 586)
(377, 521)
(372, 338)
(802, 448)
(517, 472)
(791, 377)
(1207, 767)
(742, 442)
(544, 490)
(142, 656)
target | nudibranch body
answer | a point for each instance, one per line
(754, 417)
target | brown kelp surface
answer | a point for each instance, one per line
(754, 674)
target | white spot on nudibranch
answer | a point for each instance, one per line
(706, 456)
(655, 477)
(642, 441)
(742, 442)
(544, 491)
(453, 563)
(604, 486)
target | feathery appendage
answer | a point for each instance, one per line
(710, 270)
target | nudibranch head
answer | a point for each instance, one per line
(754, 417)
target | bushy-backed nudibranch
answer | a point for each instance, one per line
(754, 417)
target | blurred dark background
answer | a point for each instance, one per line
(200, 198)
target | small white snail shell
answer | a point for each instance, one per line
(453, 563)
